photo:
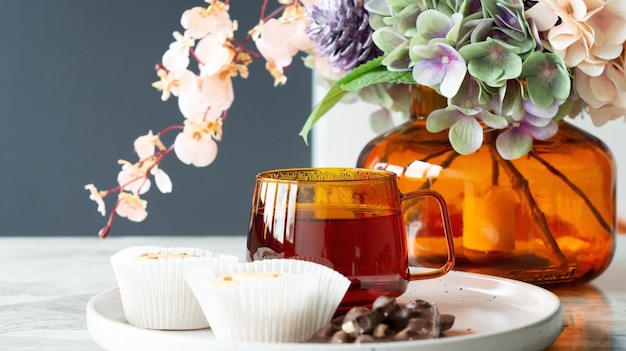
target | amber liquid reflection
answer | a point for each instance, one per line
(367, 247)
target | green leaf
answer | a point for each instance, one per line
(369, 73)
(380, 75)
(332, 97)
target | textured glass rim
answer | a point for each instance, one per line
(325, 175)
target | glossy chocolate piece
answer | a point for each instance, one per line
(388, 320)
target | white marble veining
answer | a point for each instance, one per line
(45, 284)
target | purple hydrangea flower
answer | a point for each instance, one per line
(340, 30)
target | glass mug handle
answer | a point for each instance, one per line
(447, 229)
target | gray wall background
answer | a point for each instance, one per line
(75, 92)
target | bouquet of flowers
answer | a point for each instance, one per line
(513, 65)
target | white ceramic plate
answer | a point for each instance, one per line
(491, 314)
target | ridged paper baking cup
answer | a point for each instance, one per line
(153, 289)
(287, 307)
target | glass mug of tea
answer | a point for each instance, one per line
(349, 219)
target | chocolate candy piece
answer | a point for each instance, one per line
(337, 321)
(360, 320)
(382, 301)
(351, 323)
(422, 321)
(446, 322)
(385, 305)
(325, 333)
(354, 313)
(427, 322)
(382, 331)
(417, 308)
(414, 309)
(388, 320)
(418, 329)
(364, 338)
(341, 337)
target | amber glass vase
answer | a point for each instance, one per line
(547, 218)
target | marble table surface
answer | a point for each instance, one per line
(45, 284)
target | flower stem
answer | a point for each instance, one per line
(520, 183)
(495, 173)
(436, 154)
(575, 189)
(416, 205)
(445, 164)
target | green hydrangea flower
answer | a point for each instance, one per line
(547, 78)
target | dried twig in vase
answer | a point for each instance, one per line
(574, 188)
(520, 184)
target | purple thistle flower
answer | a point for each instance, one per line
(340, 30)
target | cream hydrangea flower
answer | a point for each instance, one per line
(586, 33)
(605, 94)
(607, 113)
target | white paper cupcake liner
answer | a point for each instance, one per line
(153, 291)
(287, 308)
